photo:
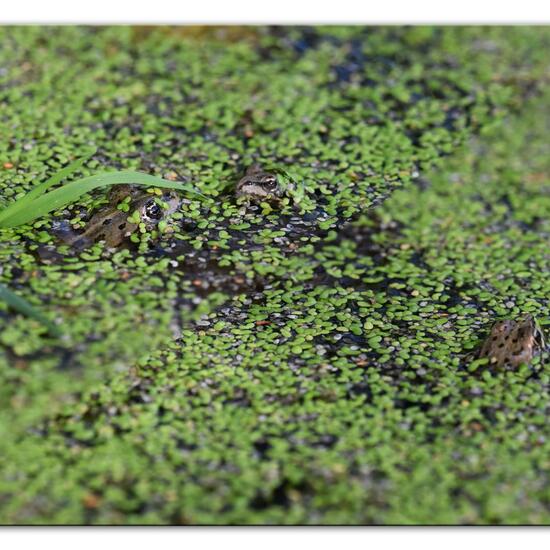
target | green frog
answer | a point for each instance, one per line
(112, 224)
(258, 184)
(513, 342)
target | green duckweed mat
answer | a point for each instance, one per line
(305, 362)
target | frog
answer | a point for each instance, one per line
(112, 225)
(258, 184)
(513, 342)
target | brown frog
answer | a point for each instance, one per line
(112, 225)
(513, 342)
(257, 184)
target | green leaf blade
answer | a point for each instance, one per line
(22, 306)
(41, 188)
(72, 191)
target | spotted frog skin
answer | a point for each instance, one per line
(112, 225)
(513, 342)
(257, 184)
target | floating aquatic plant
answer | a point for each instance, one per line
(37, 202)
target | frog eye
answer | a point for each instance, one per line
(270, 183)
(153, 211)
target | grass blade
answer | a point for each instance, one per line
(22, 306)
(41, 188)
(72, 191)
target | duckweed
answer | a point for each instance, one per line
(309, 362)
